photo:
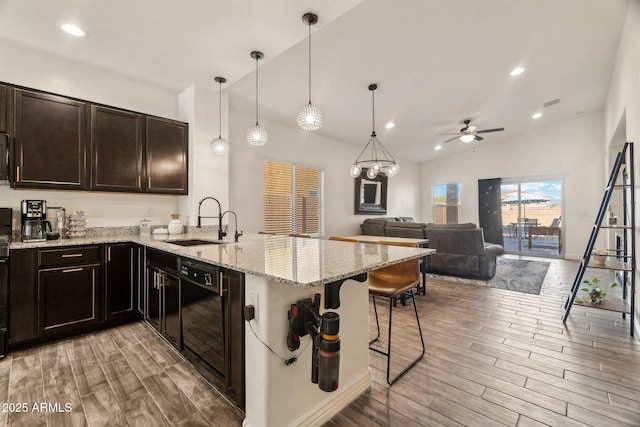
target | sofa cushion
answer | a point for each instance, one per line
(466, 225)
(413, 230)
(374, 226)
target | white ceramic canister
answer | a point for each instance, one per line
(175, 225)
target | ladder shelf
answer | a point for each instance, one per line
(622, 259)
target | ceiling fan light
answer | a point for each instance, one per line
(310, 117)
(467, 138)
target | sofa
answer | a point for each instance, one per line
(461, 251)
(460, 248)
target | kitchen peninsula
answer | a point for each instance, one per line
(280, 271)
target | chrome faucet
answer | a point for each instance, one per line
(221, 232)
(236, 234)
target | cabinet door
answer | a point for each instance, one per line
(23, 298)
(4, 102)
(233, 284)
(120, 281)
(171, 318)
(153, 297)
(49, 142)
(68, 298)
(166, 156)
(116, 150)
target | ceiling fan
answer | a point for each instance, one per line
(468, 133)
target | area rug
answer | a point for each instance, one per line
(511, 274)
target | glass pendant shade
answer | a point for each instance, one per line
(257, 135)
(310, 117)
(220, 146)
(374, 156)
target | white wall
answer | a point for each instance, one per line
(623, 99)
(572, 150)
(291, 145)
(44, 72)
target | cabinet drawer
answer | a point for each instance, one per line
(68, 256)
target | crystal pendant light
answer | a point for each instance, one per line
(220, 145)
(377, 158)
(256, 134)
(310, 116)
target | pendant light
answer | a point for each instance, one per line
(220, 145)
(310, 116)
(256, 134)
(379, 159)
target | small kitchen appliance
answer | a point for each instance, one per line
(57, 217)
(34, 221)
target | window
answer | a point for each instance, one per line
(446, 203)
(293, 199)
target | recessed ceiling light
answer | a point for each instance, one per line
(516, 71)
(72, 29)
(537, 115)
(389, 125)
(438, 147)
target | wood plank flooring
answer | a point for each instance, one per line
(494, 358)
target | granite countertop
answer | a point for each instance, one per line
(301, 262)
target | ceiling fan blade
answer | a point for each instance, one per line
(490, 130)
(440, 134)
(451, 139)
(479, 138)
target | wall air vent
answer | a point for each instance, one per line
(550, 103)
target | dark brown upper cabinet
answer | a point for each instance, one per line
(49, 141)
(117, 141)
(4, 104)
(166, 151)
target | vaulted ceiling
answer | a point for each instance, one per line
(437, 62)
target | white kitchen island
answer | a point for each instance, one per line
(280, 271)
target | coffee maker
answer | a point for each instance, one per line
(34, 221)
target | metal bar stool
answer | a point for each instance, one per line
(392, 282)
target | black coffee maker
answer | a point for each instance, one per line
(34, 221)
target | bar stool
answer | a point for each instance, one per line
(392, 282)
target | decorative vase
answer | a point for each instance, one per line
(613, 220)
(598, 260)
(175, 225)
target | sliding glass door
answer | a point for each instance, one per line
(532, 217)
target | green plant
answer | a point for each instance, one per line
(595, 294)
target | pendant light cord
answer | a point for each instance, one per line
(373, 113)
(220, 110)
(257, 59)
(309, 25)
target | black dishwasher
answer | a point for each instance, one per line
(5, 236)
(202, 313)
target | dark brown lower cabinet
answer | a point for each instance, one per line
(121, 292)
(163, 295)
(233, 284)
(23, 297)
(68, 298)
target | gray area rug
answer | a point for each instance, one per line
(511, 274)
(519, 275)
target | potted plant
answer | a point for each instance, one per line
(599, 257)
(613, 220)
(595, 294)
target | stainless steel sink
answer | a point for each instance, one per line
(194, 242)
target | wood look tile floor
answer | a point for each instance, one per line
(494, 358)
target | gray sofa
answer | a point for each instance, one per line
(460, 248)
(461, 251)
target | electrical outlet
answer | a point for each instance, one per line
(253, 300)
